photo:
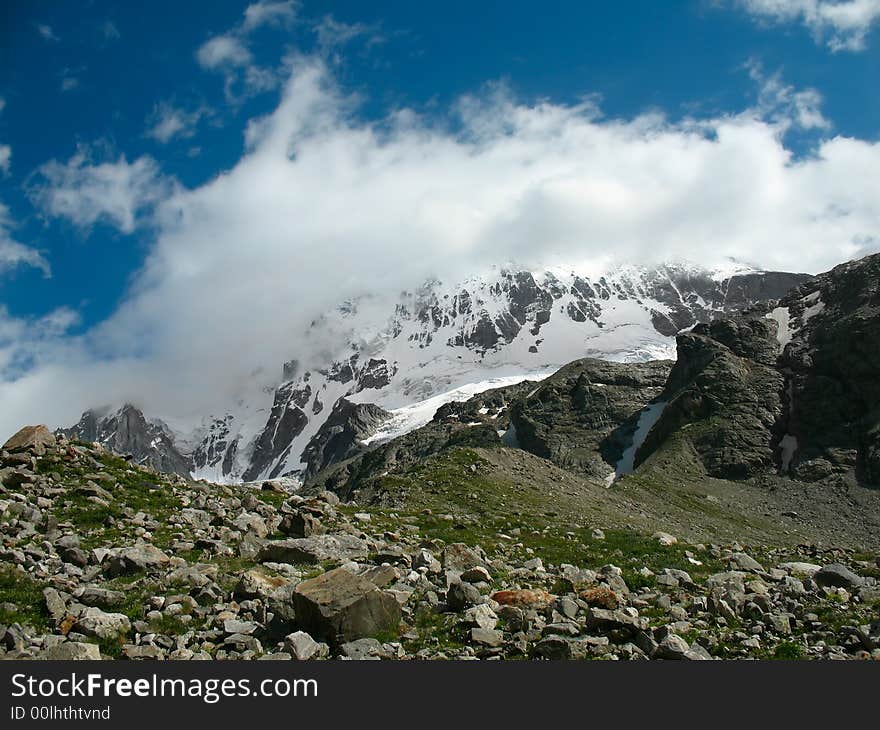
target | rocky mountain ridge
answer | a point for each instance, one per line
(438, 338)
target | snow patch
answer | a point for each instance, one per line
(783, 318)
(788, 445)
(649, 416)
(409, 418)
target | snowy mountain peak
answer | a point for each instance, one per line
(432, 344)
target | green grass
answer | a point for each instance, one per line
(18, 588)
(444, 486)
(132, 490)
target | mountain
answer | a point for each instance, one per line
(785, 393)
(127, 431)
(442, 342)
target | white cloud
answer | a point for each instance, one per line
(70, 78)
(230, 55)
(119, 192)
(13, 253)
(269, 13)
(2, 103)
(168, 122)
(332, 33)
(786, 105)
(5, 158)
(47, 33)
(223, 51)
(842, 24)
(110, 31)
(323, 206)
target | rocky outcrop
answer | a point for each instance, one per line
(340, 435)
(128, 431)
(832, 369)
(581, 418)
(286, 422)
(724, 396)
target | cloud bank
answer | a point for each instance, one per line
(842, 24)
(323, 206)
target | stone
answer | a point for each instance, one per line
(142, 557)
(362, 649)
(31, 438)
(72, 651)
(425, 559)
(97, 623)
(100, 597)
(341, 607)
(837, 575)
(476, 574)
(672, 647)
(461, 595)
(300, 524)
(255, 583)
(314, 550)
(799, 568)
(303, 647)
(743, 561)
(481, 617)
(486, 637)
(664, 538)
(459, 558)
(235, 626)
(605, 620)
(524, 598)
(143, 652)
(54, 604)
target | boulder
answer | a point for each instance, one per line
(313, 550)
(340, 606)
(31, 438)
(142, 557)
(837, 575)
(459, 557)
(524, 598)
(72, 651)
(302, 647)
(97, 623)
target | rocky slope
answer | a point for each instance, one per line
(104, 558)
(511, 324)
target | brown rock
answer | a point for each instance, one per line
(31, 438)
(524, 598)
(601, 597)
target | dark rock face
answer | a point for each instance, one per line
(581, 418)
(832, 365)
(286, 422)
(727, 395)
(128, 432)
(339, 436)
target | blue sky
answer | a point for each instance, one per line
(117, 119)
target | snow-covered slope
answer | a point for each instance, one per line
(446, 341)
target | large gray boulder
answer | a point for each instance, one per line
(839, 576)
(72, 651)
(142, 557)
(313, 550)
(340, 606)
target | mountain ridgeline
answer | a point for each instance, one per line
(784, 391)
(433, 341)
